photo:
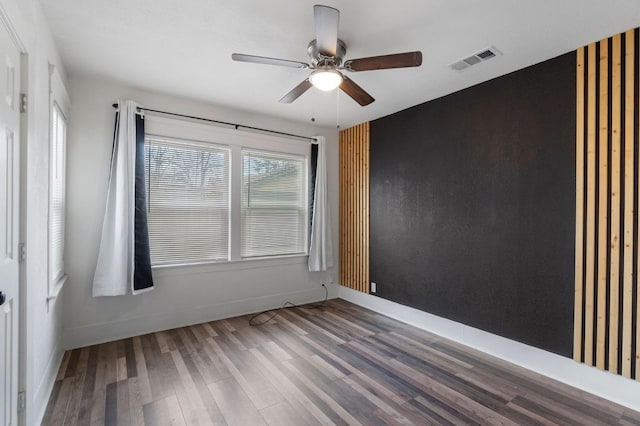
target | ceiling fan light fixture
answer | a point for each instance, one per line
(326, 79)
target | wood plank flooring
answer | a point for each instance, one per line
(340, 364)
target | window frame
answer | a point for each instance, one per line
(58, 102)
(235, 141)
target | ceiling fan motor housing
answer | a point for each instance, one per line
(319, 59)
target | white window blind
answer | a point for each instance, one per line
(57, 194)
(188, 201)
(274, 204)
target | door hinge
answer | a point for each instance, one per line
(24, 102)
(22, 402)
(22, 252)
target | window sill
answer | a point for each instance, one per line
(230, 265)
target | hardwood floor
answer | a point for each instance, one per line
(340, 364)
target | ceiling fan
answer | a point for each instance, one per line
(326, 53)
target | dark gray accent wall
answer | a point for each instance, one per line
(473, 205)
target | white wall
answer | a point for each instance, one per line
(182, 295)
(42, 320)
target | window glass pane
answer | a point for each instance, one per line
(274, 204)
(188, 201)
(56, 195)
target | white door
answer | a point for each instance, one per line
(9, 231)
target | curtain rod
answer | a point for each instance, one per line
(237, 126)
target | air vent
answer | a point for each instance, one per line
(486, 54)
(481, 56)
(472, 60)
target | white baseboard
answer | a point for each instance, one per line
(38, 405)
(613, 387)
(77, 337)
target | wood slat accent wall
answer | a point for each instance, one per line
(354, 207)
(607, 296)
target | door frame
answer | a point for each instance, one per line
(22, 327)
(8, 23)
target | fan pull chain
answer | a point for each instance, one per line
(338, 108)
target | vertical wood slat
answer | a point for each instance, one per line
(354, 207)
(341, 210)
(358, 211)
(614, 271)
(342, 217)
(367, 139)
(579, 276)
(340, 203)
(347, 222)
(627, 288)
(591, 194)
(637, 139)
(358, 190)
(356, 204)
(352, 222)
(352, 232)
(607, 294)
(603, 196)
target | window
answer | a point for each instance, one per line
(57, 194)
(216, 195)
(188, 201)
(59, 113)
(274, 205)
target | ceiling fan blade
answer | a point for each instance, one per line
(326, 20)
(356, 92)
(398, 60)
(296, 92)
(268, 61)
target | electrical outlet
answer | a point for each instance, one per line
(373, 287)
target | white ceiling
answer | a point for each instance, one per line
(184, 47)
